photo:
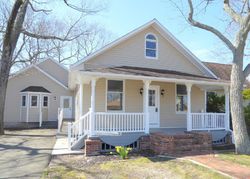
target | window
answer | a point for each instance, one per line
(23, 101)
(151, 95)
(115, 95)
(181, 98)
(34, 101)
(45, 101)
(151, 46)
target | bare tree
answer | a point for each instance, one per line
(30, 35)
(238, 12)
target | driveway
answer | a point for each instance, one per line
(25, 153)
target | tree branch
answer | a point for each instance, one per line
(246, 71)
(234, 15)
(39, 10)
(208, 28)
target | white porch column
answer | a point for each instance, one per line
(27, 107)
(92, 108)
(80, 106)
(227, 108)
(40, 111)
(189, 107)
(145, 105)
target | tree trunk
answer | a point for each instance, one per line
(242, 143)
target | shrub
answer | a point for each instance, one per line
(123, 151)
(246, 94)
(247, 117)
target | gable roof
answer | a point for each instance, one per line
(42, 71)
(166, 34)
(222, 71)
(35, 89)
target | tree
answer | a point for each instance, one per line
(215, 103)
(239, 13)
(34, 37)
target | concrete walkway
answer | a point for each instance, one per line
(25, 153)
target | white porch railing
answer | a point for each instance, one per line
(208, 121)
(60, 119)
(78, 129)
(119, 122)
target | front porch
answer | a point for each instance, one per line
(143, 103)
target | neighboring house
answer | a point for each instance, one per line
(35, 93)
(145, 81)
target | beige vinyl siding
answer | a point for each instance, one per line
(55, 70)
(32, 77)
(134, 101)
(131, 52)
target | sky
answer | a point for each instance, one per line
(122, 16)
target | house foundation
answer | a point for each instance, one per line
(92, 146)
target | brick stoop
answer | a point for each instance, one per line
(184, 143)
(92, 146)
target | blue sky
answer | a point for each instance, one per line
(122, 16)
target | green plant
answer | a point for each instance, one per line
(246, 94)
(123, 151)
(247, 117)
(215, 103)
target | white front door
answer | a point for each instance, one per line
(153, 105)
(66, 104)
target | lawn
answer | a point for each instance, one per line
(136, 167)
(232, 157)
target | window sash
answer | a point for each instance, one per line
(115, 96)
(23, 102)
(45, 102)
(181, 103)
(34, 101)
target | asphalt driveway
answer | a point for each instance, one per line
(25, 153)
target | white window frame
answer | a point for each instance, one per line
(37, 104)
(25, 101)
(179, 112)
(123, 96)
(145, 46)
(43, 101)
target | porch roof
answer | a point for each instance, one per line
(149, 72)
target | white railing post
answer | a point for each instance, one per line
(80, 110)
(189, 120)
(227, 108)
(145, 105)
(69, 135)
(92, 109)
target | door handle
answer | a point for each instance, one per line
(156, 109)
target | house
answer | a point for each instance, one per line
(35, 93)
(143, 82)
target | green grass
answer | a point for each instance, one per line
(232, 157)
(138, 168)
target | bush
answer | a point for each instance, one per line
(246, 94)
(123, 151)
(247, 117)
(215, 103)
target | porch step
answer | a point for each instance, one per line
(122, 139)
(79, 144)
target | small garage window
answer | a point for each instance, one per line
(34, 101)
(45, 101)
(23, 101)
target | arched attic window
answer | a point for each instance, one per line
(151, 46)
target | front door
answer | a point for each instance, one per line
(66, 104)
(153, 105)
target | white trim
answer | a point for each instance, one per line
(27, 110)
(174, 80)
(156, 43)
(157, 88)
(32, 65)
(38, 100)
(178, 112)
(123, 95)
(179, 46)
(51, 77)
(205, 100)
